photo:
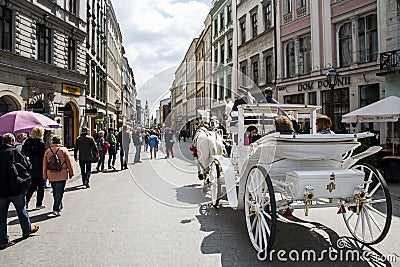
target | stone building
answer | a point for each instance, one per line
(129, 93)
(256, 54)
(43, 61)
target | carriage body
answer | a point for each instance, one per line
(280, 172)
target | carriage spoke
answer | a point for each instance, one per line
(376, 211)
(265, 224)
(374, 190)
(369, 180)
(373, 220)
(376, 201)
(253, 223)
(348, 218)
(357, 222)
(362, 224)
(264, 235)
(369, 224)
(267, 215)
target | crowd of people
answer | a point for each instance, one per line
(27, 165)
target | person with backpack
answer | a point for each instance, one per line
(153, 142)
(112, 151)
(137, 141)
(57, 167)
(34, 149)
(12, 191)
(169, 142)
(102, 146)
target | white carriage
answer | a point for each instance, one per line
(278, 173)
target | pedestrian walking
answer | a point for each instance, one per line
(85, 149)
(57, 167)
(112, 151)
(34, 149)
(13, 192)
(169, 142)
(102, 147)
(146, 140)
(124, 137)
(153, 142)
(137, 142)
(20, 141)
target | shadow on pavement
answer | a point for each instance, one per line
(191, 194)
(74, 188)
(228, 236)
(36, 218)
(394, 189)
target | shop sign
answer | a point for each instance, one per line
(91, 111)
(342, 81)
(71, 90)
(100, 116)
(37, 107)
(62, 109)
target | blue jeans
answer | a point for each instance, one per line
(58, 193)
(100, 163)
(86, 168)
(23, 216)
(137, 153)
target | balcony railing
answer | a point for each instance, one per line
(287, 18)
(301, 12)
(390, 61)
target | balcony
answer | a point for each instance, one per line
(301, 12)
(287, 18)
(389, 62)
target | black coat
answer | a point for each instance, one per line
(5, 163)
(34, 149)
(238, 102)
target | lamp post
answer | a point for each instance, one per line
(118, 106)
(332, 77)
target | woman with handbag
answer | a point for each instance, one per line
(58, 175)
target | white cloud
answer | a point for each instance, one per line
(156, 36)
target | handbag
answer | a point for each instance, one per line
(93, 158)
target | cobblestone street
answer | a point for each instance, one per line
(155, 214)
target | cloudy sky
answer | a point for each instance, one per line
(156, 35)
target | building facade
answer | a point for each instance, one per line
(128, 109)
(43, 61)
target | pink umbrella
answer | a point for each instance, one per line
(22, 121)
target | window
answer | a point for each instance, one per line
(287, 6)
(267, 16)
(345, 45)
(230, 48)
(216, 55)
(341, 107)
(254, 24)
(312, 98)
(71, 54)
(243, 31)
(301, 3)
(244, 75)
(368, 38)
(93, 81)
(255, 72)
(221, 89)
(215, 91)
(215, 27)
(228, 86)
(222, 53)
(294, 99)
(305, 55)
(229, 13)
(369, 94)
(268, 69)
(5, 28)
(290, 60)
(222, 21)
(72, 6)
(43, 51)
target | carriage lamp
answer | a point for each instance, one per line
(309, 198)
(359, 195)
(332, 78)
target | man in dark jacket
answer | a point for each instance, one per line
(17, 197)
(86, 148)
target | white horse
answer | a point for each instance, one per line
(208, 145)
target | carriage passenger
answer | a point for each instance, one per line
(324, 125)
(248, 136)
(283, 125)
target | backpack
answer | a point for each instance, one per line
(54, 162)
(19, 178)
(106, 147)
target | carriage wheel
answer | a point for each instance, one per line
(260, 210)
(215, 183)
(372, 223)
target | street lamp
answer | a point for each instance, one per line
(332, 78)
(118, 106)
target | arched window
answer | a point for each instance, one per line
(345, 45)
